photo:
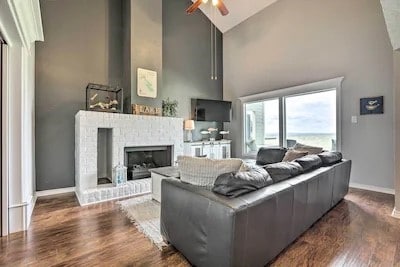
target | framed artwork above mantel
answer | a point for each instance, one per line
(146, 83)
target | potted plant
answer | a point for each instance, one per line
(169, 108)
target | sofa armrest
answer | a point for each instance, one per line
(198, 223)
(213, 230)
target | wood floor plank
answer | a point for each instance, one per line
(359, 231)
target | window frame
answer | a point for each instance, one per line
(281, 94)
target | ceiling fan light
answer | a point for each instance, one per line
(215, 2)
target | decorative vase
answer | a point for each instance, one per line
(119, 175)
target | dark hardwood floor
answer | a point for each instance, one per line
(357, 232)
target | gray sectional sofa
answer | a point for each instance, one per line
(252, 229)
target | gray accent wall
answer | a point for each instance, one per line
(86, 42)
(187, 60)
(187, 57)
(146, 44)
(81, 45)
(295, 42)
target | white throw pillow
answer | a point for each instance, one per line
(204, 171)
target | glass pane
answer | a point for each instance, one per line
(311, 119)
(261, 125)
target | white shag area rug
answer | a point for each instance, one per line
(144, 212)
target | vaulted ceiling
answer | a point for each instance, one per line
(242, 10)
(391, 10)
(239, 11)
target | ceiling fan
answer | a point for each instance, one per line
(217, 3)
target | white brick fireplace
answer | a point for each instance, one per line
(127, 131)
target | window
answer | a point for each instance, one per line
(262, 124)
(305, 114)
(311, 119)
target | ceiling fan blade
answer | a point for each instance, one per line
(194, 7)
(222, 8)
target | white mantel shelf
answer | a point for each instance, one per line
(127, 131)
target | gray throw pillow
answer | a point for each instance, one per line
(270, 155)
(283, 170)
(235, 184)
(309, 162)
(329, 158)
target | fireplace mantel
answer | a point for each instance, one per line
(127, 131)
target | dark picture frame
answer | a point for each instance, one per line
(371, 105)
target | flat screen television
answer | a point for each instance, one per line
(211, 110)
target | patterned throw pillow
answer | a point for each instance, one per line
(292, 154)
(204, 171)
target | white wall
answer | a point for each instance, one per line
(21, 137)
(21, 26)
(295, 42)
(396, 101)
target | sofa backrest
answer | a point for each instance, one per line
(270, 155)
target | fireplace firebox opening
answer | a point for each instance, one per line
(140, 159)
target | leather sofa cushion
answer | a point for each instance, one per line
(329, 158)
(204, 171)
(312, 150)
(235, 184)
(283, 170)
(309, 162)
(292, 154)
(270, 155)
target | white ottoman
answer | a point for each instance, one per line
(157, 175)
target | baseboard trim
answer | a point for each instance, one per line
(396, 214)
(31, 207)
(55, 191)
(21, 215)
(373, 188)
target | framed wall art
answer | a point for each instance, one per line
(146, 83)
(371, 105)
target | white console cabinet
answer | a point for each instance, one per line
(220, 149)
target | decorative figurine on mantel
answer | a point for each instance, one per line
(104, 98)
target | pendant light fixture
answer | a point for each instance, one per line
(214, 50)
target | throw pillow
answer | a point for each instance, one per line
(235, 184)
(270, 155)
(204, 171)
(329, 158)
(312, 150)
(292, 154)
(309, 162)
(283, 170)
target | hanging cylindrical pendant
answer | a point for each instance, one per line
(215, 54)
(212, 51)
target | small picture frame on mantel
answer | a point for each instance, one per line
(371, 105)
